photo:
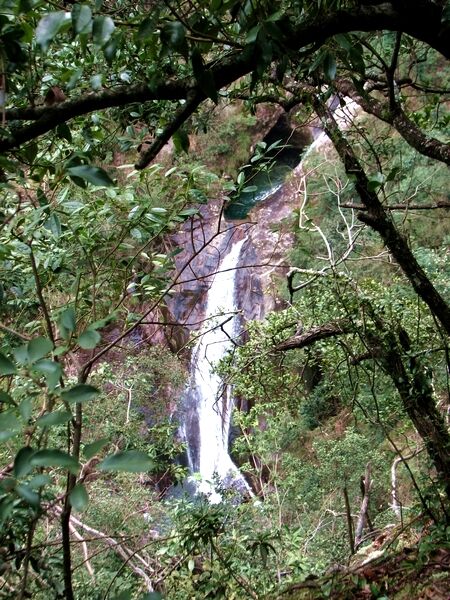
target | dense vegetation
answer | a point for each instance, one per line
(345, 437)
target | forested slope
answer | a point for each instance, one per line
(119, 122)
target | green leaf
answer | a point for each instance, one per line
(54, 418)
(102, 322)
(52, 371)
(63, 131)
(67, 322)
(89, 339)
(181, 140)
(8, 484)
(38, 348)
(146, 29)
(80, 393)
(48, 27)
(6, 508)
(28, 495)
(110, 49)
(188, 212)
(91, 450)
(81, 18)
(22, 465)
(6, 399)
(329, 66)
(39, 481)
(54, 458)
(93, 175)
(53, 224)
(393, 173)
(253, 34)
(9, 425)
(173, 35)
(30, 152)
(21, 354)
(6, 366)
(67, 319)
(102, 30)
(124, 595)
(131, 461)
(78, 497)
(375, 181)
(26, 409)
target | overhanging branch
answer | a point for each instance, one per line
(321, 332)
(413, 135)
(420, 19)
(182, 115)
(440, 204)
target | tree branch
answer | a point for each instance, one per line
(315, 334)
(194, 99)
(421, 19)
(376, 217)
(439, 204)
(362, 519)
(413, 135)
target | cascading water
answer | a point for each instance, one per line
(208, 401)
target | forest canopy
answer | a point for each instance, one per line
(90, 95)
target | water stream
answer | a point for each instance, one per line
(208, 401)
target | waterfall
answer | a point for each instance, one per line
(208, 401)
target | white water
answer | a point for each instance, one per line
(208, 455)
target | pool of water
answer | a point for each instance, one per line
(266, 183)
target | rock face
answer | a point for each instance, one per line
(206, 238)
(224, 267)
(255, 248)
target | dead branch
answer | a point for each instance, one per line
(124, 553)
(396, 504)
(80, 538)
(362, 519)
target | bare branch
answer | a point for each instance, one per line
(362, 519)
(440, 204)
(380, 220)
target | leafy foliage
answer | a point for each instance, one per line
(85, 258)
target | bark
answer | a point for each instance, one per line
(416, 393)
(393, 350)
(181, 117)
(314, 334)
(441, 204)
(348, 514)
